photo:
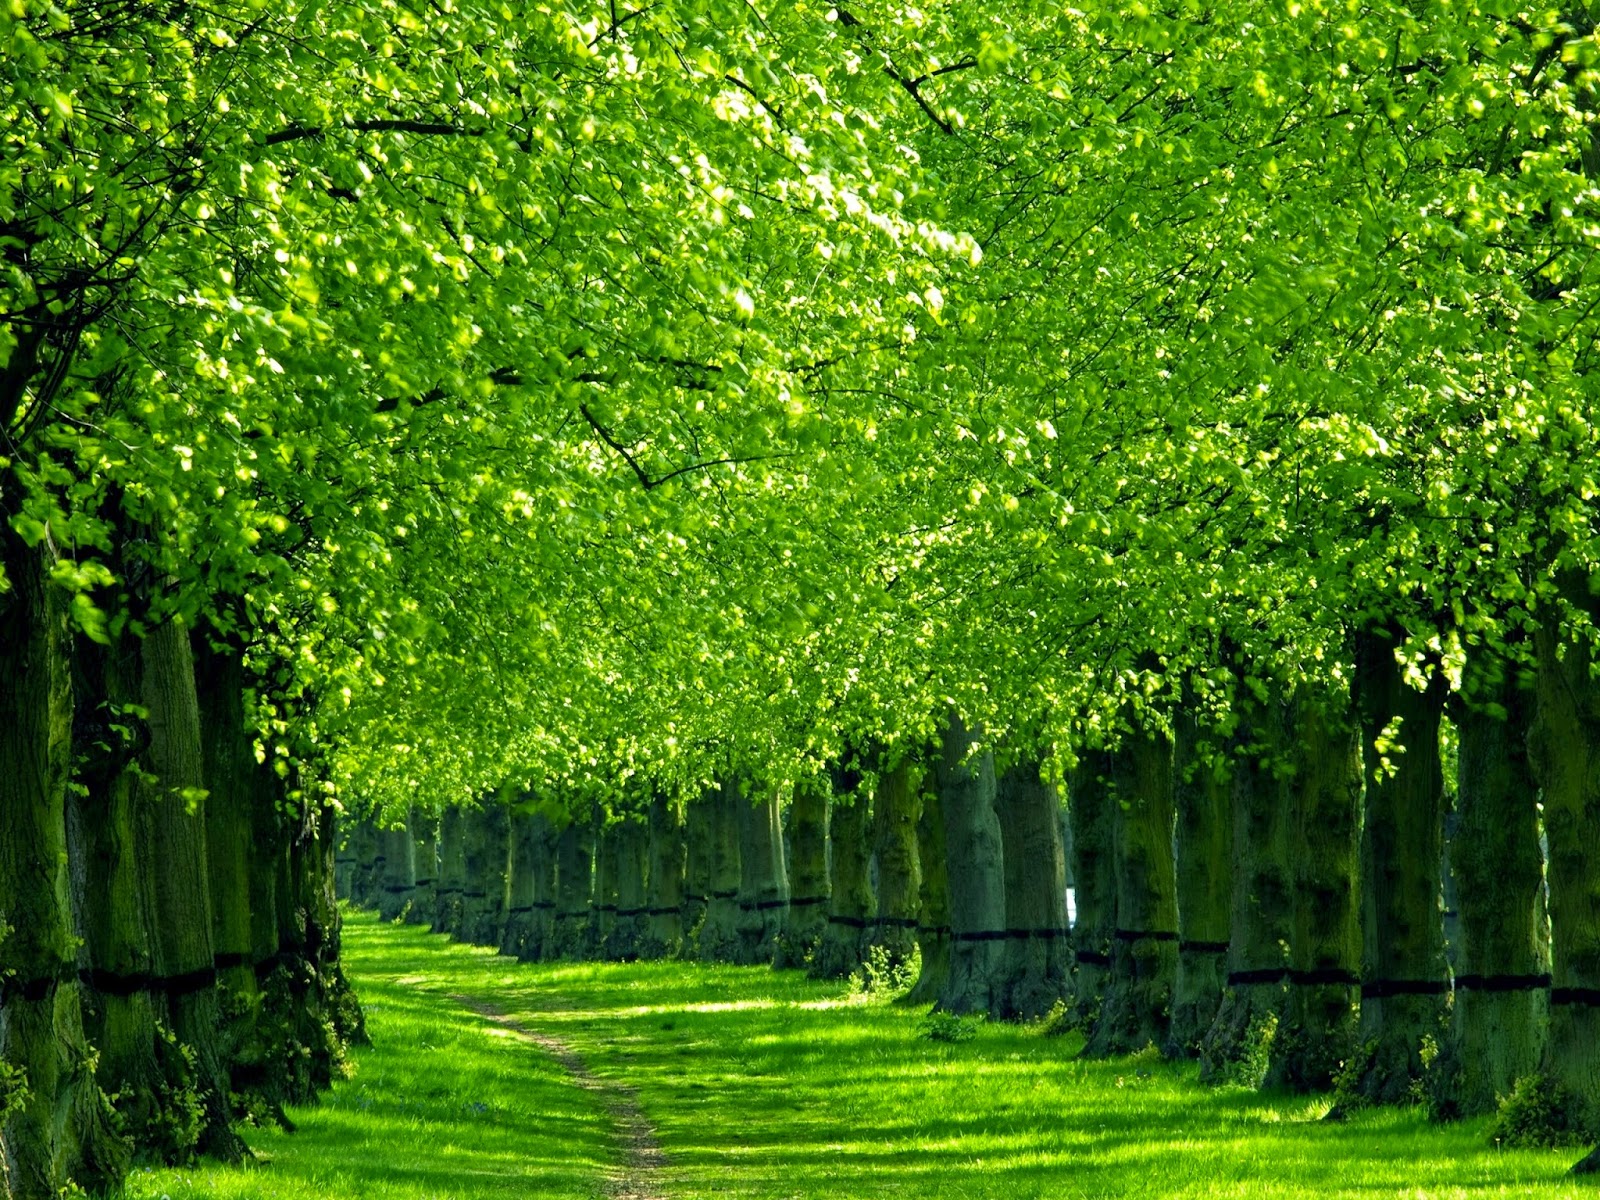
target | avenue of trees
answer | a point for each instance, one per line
(790, 483)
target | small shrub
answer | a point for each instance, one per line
(948, 1027)
(885, 975)
(1537, 1113)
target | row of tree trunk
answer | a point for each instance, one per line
(1270, 901)
(169, 940)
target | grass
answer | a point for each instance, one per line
(765, 1085)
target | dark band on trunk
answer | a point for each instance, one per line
(447, 891)
(1257, 976)
(724, 895)
(1142, 935)
(808, 901)
(851, 922)
(632, 912)
(1576, 995)
(1381, 989)
(425, 882)
(475, 895)
(1092, 958)
(519, 910)
(664, 912)
(934, 930)
(895, 922)
(232, 960)
(762, 905)
(1190, 947)
(1502, 983)
(394, 889)
(694, 898)
(608, 908)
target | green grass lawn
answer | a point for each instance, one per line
(763, 1084)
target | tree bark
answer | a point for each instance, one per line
(633, 910)
(603, 912)
(1202, 794)
(1144, 951)
(1089, 809)
(933, 914)
(517, 939)
(664, 932)
(1404, 978)
(1036, 960)
(894, 845)
(424, 827)
(719, 933)
(60, 1133)
(850, 899)
(398, 884)
(1238, 1045)
(976, 865)
(806, 917)
(1317, 1033)
(452, 877)
(486, 842)
(1564, 748)
(700, 816)
(763, 878)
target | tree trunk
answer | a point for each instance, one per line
(424, 829)
(633, 912)
(452, 877)
(894, 844)
(398, 884)
(763, 880)
(1036, 955)
(719, 933)
(1564, 748)
(976, 865)
(1089, 809)
(807, 914)
(1203, 848)
(574, 888)
(850, 898)
(521, 888)
(486, 839)
(664, 933)
(933, 915)
(1238, 1046)
(367, 882)
(60, 1133)
(1144, 950)
(1318, 1029)
(603, 912)
(1404, 979)
(700, 819)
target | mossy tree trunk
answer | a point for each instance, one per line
(424, 827)
(933, 913)
(1564, 748)
(1404, 977)
(894, 846)
(1144, 949)
(452, 877)
(663, 937)
(574, 888)
(517, 938)
(700, 819)
(603, 910)
(719, 932)
(976, 864)
(1036, 964)
(763, 876)
(486, 844)
(398, 884)
(633, 909)
(1090, 803)
(367, 882)
(1237, 1046)
(1317, 1033)
(62, 1134)
(807, 914)
(1203, 847)
(850, 900)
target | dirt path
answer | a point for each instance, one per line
(642, 1158)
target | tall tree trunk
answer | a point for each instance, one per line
(1144, 950)
(664, 932)
(367, 882)
(850, 898)
(1238, 1045)
(894, 845)
(1317, 1033)
(61, 1134)
(1404, 978)
(521, 887)
(807, 914)
(633, 910)
(1036, 961)
(700, 819)
(1203, 847)
(424, 827)
(603, 912)
(1564, 748)
(933, 914)
(1090, 804)
(487, 847)
(398, 884)
(976, 864)
(452, 877)
(719, 932)
(763, 878)
(574, 888)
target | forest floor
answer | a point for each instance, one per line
(489, 1078)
